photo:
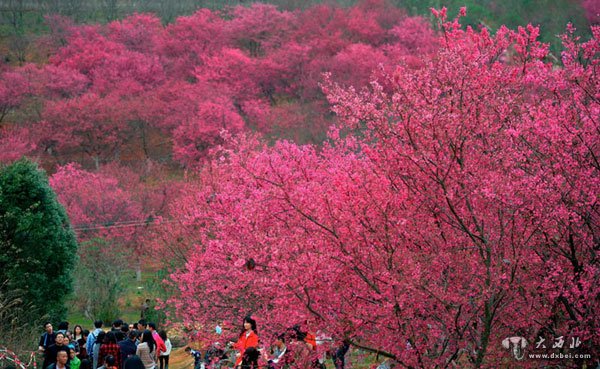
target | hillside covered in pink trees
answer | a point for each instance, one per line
(419, 191)
(134, 89)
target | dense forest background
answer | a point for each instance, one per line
(22, 20)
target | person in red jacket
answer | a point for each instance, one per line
(248, 338)
(160, 344)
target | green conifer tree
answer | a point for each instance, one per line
(38, 247)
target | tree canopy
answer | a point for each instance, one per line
(38, 246)
(453, 206)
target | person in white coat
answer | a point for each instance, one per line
(164, 356)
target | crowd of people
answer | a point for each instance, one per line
(293, 348)
(141, 346)
(99, 349)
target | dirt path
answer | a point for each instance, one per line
(180, 359)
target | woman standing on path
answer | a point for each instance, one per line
(110, 347)
(248, 338)
(163, 359)
(145, 350)
(77, 333)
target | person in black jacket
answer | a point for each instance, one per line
(48, 338)
(128, 346)
(52, 350)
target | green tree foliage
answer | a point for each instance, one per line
(99, 279)
(38, 248)
(551, 15)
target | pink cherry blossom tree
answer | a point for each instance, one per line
(455, 206)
